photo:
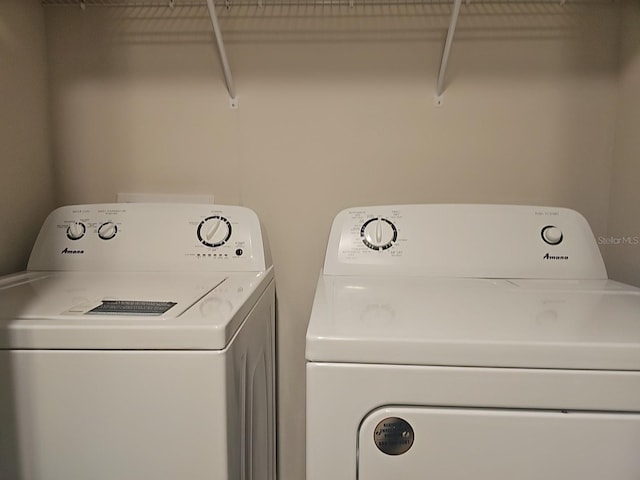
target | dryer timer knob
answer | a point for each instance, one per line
(378, 233)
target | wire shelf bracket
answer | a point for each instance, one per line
(226, 70)
(228, 78)
(455, 13)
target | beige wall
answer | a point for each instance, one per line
(623, 259)
(26, 178)
(336, 109)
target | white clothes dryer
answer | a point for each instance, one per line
(453, 342)
(139, 345)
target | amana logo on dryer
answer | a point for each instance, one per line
(555, 257)
(68, 251)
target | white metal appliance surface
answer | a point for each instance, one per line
(471, 341)
(138, 345)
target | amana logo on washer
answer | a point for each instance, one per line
(66, 251)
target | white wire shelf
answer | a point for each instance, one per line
(230, 3)
(284, 9)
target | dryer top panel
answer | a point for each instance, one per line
(477, 241)
(551, 324)
(136, 237)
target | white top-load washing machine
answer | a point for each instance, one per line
(454, 342)
(139, 345)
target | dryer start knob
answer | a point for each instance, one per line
(552, 235)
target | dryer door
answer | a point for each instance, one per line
(427, 443)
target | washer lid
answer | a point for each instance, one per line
(564, 324)
(88, 310)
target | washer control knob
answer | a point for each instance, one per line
(214, 231)
(107, 231)
(378, 233)
(76, 230)
(552, 235)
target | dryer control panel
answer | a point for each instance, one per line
(486, 241)
(151, 237)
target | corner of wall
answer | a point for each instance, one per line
(26, 185)
(621, 246)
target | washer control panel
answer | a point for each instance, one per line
(497, 241)
(150, 237)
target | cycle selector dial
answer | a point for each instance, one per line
(214, 231)
(378, 233)
(107, 230)
(76, 231)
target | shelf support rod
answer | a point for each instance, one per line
(223, 54)
(447, 50)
